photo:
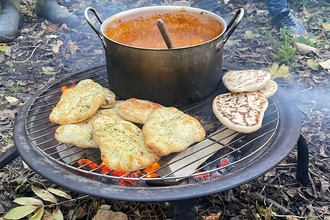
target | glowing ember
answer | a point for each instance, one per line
(65, 88)
(207, 176)
(150, 169)
(87, 164)
(224, 162)
(200, 119)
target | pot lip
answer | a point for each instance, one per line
(162, 8)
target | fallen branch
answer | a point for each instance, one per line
(262, 199)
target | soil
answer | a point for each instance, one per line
(44, 52)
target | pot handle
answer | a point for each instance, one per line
(97, 15)
(231, 28)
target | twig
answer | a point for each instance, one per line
(29, 56)
(313, 185)
(262, 199)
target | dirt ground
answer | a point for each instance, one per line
(44, 52)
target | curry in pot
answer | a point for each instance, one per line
(184, 30)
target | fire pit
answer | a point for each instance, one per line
(240, 161)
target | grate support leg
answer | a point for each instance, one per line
(302, 161)
(182, 209)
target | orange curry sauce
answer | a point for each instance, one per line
(184, 30)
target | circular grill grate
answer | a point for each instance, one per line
(238, 152)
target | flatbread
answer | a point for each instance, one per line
(81, 134)
(245, 80)
(169, 130)
(269, 89)
(122, 145)
(241, 112)
(78, 104)
(137, 110)
(110, 99)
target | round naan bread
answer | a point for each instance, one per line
(269, 89)
(121, 144)
(81, 134)
(241, 112)
(110, 99)
(245, 80)
(137, 110)
(78, 104)
(169, 130)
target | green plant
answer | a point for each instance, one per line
(285, 52)
(16, 89)
(8, 140)
(11, 67)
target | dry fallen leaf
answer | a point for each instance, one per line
(44, 194)
(248, 34)
(325, 64)
(292, 192)
(306, 13)
(28, 201)
(311, 63)
(5, 49)
(7, 114)
(38, 214)
(109, 215)
(20, 212)
(212, 216)
(11, 99)
(276, 71)
(59, 193)
(57, 214)
(73, 47)
(52, 28)
(56, 46)
(326, 26)
(268, 213)
(305, 49)
(47, 216)
(80, 212)
(322, 151)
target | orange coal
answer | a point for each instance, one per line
(66, 88)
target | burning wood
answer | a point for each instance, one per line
(148, 172)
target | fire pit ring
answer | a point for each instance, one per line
(283, 142)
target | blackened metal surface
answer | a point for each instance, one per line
(7, 156)
(182, 209)
(302, 161)
(29, 132)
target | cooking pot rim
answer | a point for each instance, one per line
(162, 8)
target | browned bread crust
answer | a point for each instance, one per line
(169, 130)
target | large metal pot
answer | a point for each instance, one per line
(172, 77)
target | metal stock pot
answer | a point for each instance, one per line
(172, 77)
